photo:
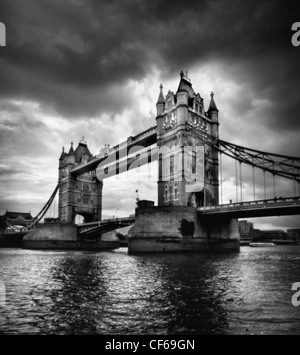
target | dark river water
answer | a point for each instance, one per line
(70, 292)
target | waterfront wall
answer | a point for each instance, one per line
(65, 236)
(180, 228)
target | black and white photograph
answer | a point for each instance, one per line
(149, 170)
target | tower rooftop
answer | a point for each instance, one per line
(185, 85)
(212, 105)
(81, 150)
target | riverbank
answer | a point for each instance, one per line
(12, 239)
(274, 241)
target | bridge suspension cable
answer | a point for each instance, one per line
(43, 211)
(253, 177)
(278, 164)
(221, 178)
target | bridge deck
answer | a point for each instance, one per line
(105, 225)
(250, 209)
(140, 141)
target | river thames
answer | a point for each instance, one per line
(113, 293)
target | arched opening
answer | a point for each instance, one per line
(197, 199)
(79, 219)
(83, 218)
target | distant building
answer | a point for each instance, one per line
(293, 234)
(145, 203)
(270, 234)
(10, 219)
(246, 230)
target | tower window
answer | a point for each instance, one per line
(175, 191)
(194, 163)
(171, 192)
(166, 194)
(160, 167)
(171, 164)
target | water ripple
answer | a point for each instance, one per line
(115, 293)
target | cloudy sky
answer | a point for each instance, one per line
(92, 68)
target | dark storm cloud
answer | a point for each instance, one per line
(8, 171)
(77, 56)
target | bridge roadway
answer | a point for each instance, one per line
(282, 206)
(134, 143)
(106, 225)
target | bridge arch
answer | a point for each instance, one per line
(83, 217)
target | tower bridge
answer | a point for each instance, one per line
(190, 214)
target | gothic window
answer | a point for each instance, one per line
(160, 167)
(170, 121)
(171, 164)
(175, 191)
(166, 194)
(194, 162)
(85, 193)
(171, 192)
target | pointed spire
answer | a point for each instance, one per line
(71, 151)
(82, 141)
(185, 85)
(62, 154)
(212, 105)
(161, 98)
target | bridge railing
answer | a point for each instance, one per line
(144, 134)
(109, 220)
(258, 203)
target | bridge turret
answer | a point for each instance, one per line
(62, 156)
(213, 114)
(160, 105)
(71, 155)
(184, 90)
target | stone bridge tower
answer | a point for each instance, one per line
(78, 195)
(188, 167)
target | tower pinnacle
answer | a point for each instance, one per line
(62, 153)
(212, 105)
(161, 98)
(71, 151)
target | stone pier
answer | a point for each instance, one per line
(180, 228)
